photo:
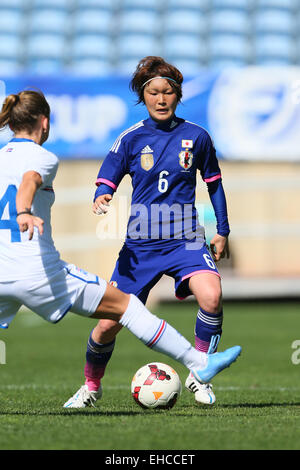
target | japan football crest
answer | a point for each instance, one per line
(186, 159)
(147, 161)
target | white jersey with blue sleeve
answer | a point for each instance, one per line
(21, 258)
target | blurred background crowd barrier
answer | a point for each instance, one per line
(241, 63)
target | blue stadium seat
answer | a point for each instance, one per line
(55, 4)
(110, 5)
(139, 21)
(274, 21)
(185, 21)
(274, 48)
(49, 21)
(46, 46)
(45, 66)
(93, 21)
(12, 21)
(137, 46)
(274, 62)
(244, 5)
(291, 5)
(92, 46)
(127, 66)
(180, 46)
(187, 4)
(91, 67)
(229, 47)
(14, 4)
(10, 67)
(218, 64)
(11, 47)
(188, 67)
(155, 5)
(229, 21)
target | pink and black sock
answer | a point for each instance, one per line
(97, 357)
(208, 331)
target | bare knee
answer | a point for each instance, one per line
(207, 291)
(211, 302)
(105, 331)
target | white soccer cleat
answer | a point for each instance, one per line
(203, 392)
(84, 398)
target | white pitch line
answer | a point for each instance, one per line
(127, 387)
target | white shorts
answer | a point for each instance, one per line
(70, 289)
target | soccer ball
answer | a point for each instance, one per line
(156, 385)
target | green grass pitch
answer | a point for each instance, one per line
(258, 397)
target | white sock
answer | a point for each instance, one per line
(160, 336)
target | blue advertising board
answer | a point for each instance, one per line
(251, 113)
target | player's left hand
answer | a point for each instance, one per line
(219, 247)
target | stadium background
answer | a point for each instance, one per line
(241, 63)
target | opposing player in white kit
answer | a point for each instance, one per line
(31, 271)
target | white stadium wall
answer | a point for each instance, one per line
(263, 205)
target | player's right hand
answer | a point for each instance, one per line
(27, 222)
(101, 204)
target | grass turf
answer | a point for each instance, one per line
(258, 404)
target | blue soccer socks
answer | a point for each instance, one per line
(97, 357)
(208, 331)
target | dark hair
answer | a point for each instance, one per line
(21, 111)
(151, 67)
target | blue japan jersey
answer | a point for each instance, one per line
(162, 160)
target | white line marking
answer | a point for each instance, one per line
(127, 387)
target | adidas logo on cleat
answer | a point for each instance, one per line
(193, 387)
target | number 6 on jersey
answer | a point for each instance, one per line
(163, 182)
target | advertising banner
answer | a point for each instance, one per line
(251, 113)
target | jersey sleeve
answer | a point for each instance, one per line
(112, 171)
(211, 174)
(218, 200)
(43, 162)
(207, 160)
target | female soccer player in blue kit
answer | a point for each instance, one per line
(162, 154)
